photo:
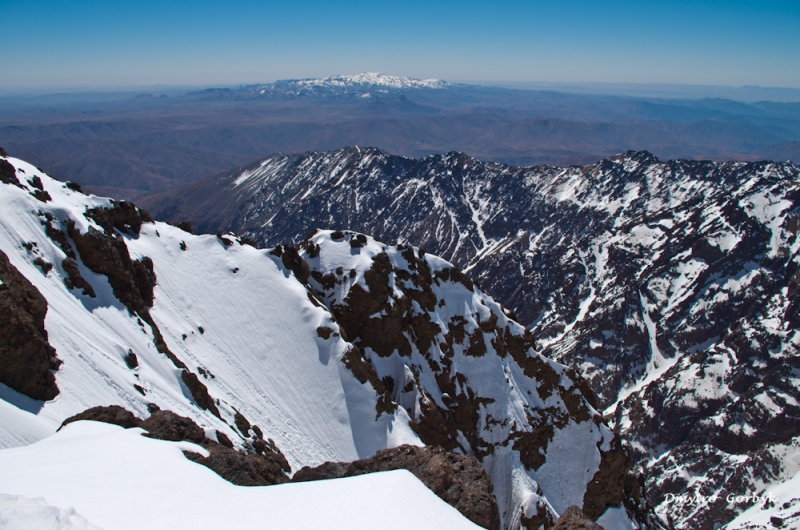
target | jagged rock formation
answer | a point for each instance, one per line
(429, 340)
(27, 360)
(457, 479)
(670, 286)
(113, 414)
(574, 519)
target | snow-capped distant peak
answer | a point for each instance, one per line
(374, 79)
(363, 85)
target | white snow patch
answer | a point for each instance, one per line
(785, 505)
(657, 366)
(616, 518)
(22, 513)
(373, 79)
(572, 453)
(726, 241)
(19, 423)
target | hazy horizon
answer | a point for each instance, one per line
(744, 93)
(58, 45)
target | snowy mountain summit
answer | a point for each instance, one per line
(257, 367)
(372, 79)
(361, 85)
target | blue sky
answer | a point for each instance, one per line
(88, 43)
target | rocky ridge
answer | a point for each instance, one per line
(260, 464)
(430, 341)
(458, 479)
(669, 286)
(268, 367)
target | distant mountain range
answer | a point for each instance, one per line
(670, 286)
(361, 85)
(129, 146)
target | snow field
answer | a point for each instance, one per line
(120, 480)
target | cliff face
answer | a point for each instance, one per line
(431, 341)
(26, 358)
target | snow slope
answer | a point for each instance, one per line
(231, 311)
(121, 480)
(777, 507)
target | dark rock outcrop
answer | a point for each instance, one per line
(574, 519)
(26, 358)
(613, 484)
(39, 192)
(241, 468)
(122, 216)
(292, 261)
(131, 360)
(457, 479)
(199, 392)
(145, 279)
(74, 186)
(8, 174)
(166, 425)
(244, 467)
(242, 424)
(74, 279)
(107, 254)
(113, 414)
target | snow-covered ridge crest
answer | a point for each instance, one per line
(227, 330)
(120, 480)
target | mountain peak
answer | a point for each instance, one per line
(362, 84)
(375, 79)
